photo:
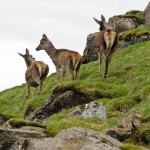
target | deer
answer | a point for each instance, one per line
(105, 42)
(63, 59)
(36, 72)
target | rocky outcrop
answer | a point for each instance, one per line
(124, 128)
(53, 104)
(70, 139)
(147, 15)
(89, 53)
(10, 136)
(63, 97)
(122, 24)
(92, 109)
(132, 39)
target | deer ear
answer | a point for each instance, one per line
(97, 21)
(21, 54)
(27, 51)
(44, 36)
(102, 18)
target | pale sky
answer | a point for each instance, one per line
(65, 22)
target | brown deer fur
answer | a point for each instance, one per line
(36, 72)
(63, 59)
(105, 42)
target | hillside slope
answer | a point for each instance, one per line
(126, 88)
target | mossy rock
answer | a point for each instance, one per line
(18, 122)
(137, 16)
(134, 32)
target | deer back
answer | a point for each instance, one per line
(64, 57)
(35, 72)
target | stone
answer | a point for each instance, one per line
(92, 109)
(90, 54)
(10, 136)
(124, 127)
(147, 15)
(125, 24)
(70, 139)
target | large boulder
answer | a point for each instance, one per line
(92, 109)
(90, 54)
(10, 136)
(147, 15)
(124, 127)
(70, 139)
(122, 24)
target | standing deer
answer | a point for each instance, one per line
(63, 59)
(105, 42)
(36, 72)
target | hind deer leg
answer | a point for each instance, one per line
(41, 84)
(77, 71)
(35, 89)
(100, 60)
(63, 74)
(71, 74)
(58, 74)
(106, 67)
(28, 90)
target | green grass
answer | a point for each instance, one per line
(125, 89)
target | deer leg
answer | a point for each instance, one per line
(100, 60)
(41, 84)
(77, 71)
(71, 74)
(28, 90)
(35, 89)
(63, 74)
(106, 67)
(58, 74)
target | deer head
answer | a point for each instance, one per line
(44, 43)
(103, 24)
(29, 59)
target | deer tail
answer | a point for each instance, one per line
(42, 68)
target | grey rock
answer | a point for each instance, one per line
(124, 127)
(90, 54)
(147, 15)
(92, 109)
(10, 136)
(70, 139)
(125, 24)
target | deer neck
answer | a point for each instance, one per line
(51, 50)
(28, 62)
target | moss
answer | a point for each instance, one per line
(137, 16)
(18, 122)
(134, 32)
(123, 104)
(131, 147)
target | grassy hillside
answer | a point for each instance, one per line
(126, 88)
